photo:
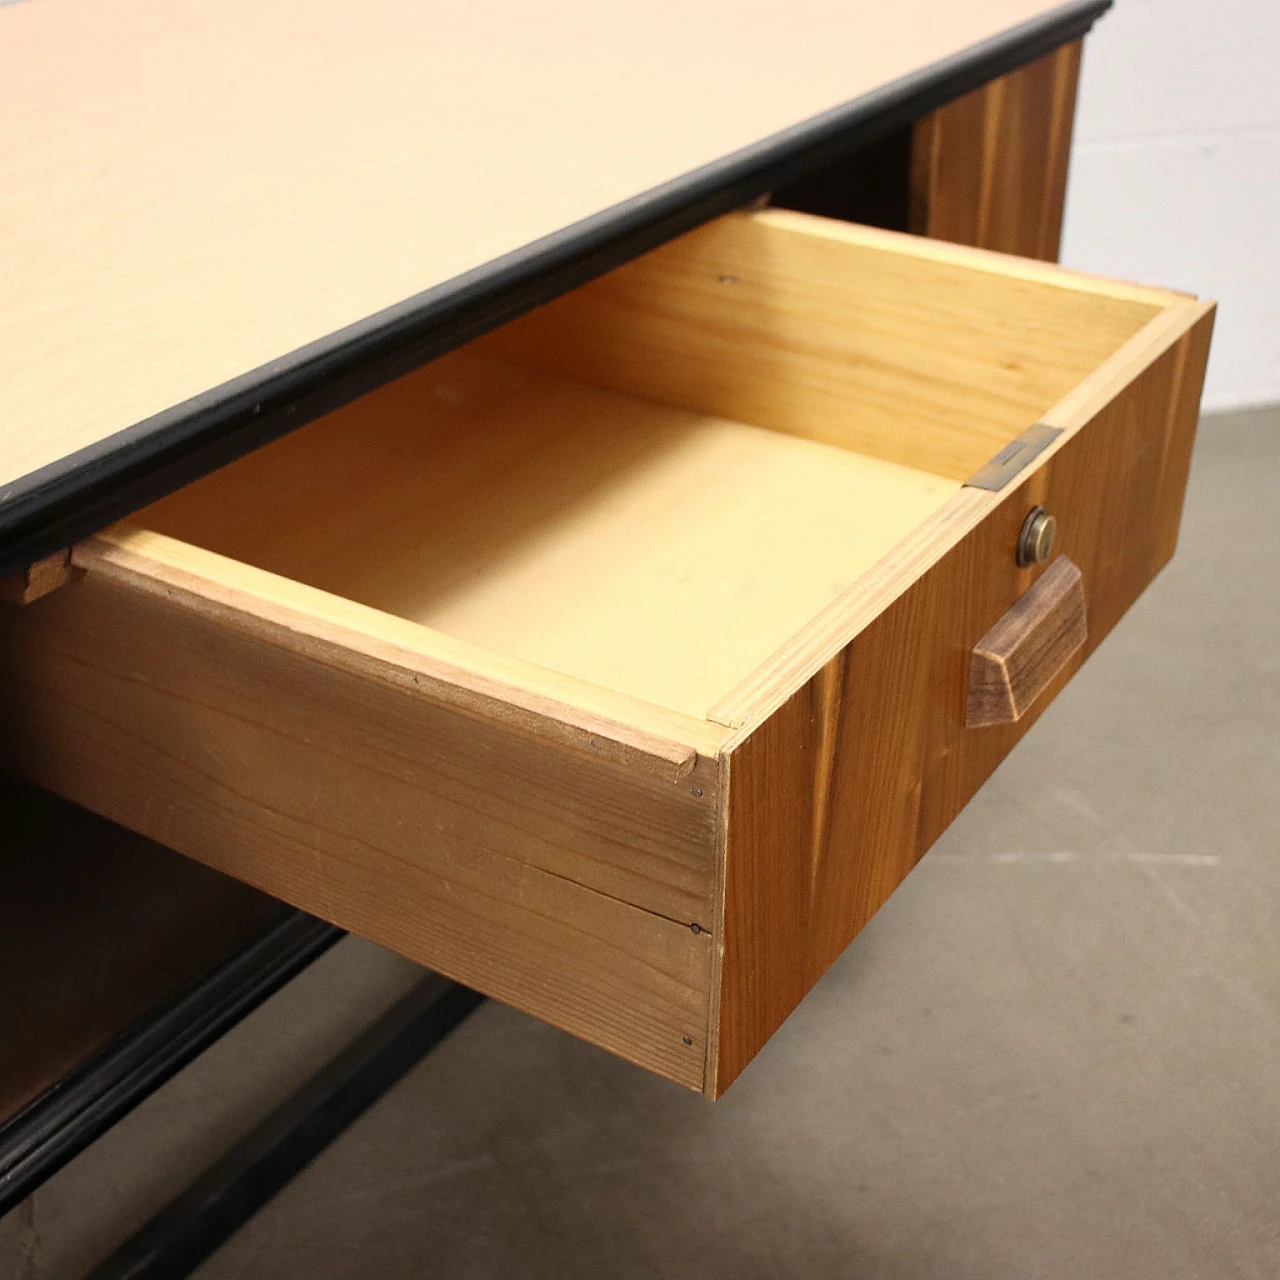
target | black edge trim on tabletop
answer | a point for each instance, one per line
(80, 1107)
(81, 493)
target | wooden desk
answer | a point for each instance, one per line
(225, 234)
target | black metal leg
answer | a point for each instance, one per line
(82, 1106)
(220, 1201)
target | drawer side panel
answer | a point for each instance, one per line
(460, 843)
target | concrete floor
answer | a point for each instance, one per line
(1055, 1053)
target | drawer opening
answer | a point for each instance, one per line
(653, 483)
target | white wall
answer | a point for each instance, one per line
(1175, 172)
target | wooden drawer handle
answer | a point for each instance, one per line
(1015, 661)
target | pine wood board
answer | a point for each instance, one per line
(646, 549)
(388, 650)
(827, 634)
(990, 168)
(37, 579)
(869, 340)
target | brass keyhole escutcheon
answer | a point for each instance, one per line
(1035, 542)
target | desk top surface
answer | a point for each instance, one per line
(209, 211)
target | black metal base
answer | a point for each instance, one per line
(61, 1122)
(220, 1201)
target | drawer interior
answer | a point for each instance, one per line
(648, 548)
(652, 483)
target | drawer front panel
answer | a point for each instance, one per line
(837, 795)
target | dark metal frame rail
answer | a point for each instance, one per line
(187, 1230)
(52, 1128)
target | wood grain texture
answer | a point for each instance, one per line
(544, 876)
(649, 550)
(834, 797)
(663, 884)
(37, 580)
(990, 169)
(389, 650)
(817, 644)
(1018, 658)
(917, 352)
(185, 201)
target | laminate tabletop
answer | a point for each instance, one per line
(217, 221)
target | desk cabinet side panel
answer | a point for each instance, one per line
(836, 796)
(503, 860)
(990, 168)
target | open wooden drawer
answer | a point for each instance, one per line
(542, 668)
